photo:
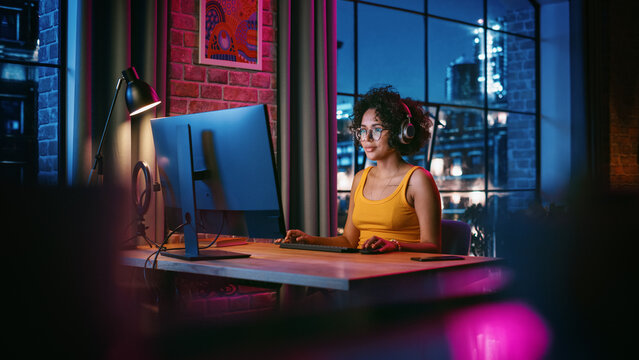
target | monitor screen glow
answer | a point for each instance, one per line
(233, 171)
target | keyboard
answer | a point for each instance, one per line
(302, 246)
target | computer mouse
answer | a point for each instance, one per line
(369, 251)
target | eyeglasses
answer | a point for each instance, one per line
(363, 133)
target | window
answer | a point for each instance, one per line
(473, 64)
(31, 88)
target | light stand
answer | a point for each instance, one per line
(142, 200)
(140, 97)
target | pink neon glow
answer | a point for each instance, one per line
(508, 330)
(473, 281)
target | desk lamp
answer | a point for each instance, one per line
(140, 97)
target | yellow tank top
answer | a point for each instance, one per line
(389, 218)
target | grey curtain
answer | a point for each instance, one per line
(590, 94)
(113, 36)
(307, 127)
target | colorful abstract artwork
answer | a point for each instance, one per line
(230, 33)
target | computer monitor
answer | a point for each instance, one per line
(217, 172)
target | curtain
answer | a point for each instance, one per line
(589, 107)
(307, 126)
(149, 56)
(111, 37)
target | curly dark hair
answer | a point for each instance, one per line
(387, 104)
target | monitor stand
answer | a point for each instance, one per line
(191, 251)
(203, 255)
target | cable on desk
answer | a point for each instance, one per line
(166, 239)
(157, 252)
(219, 231)
(162, 248)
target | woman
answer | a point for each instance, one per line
(394, 205)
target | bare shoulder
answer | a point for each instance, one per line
(359, 174)
(421, 177)
(356, 179)
(423, 180)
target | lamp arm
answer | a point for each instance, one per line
(98, 155)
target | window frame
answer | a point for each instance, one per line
(485, 109)
(60, 66)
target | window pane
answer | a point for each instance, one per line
(501, 204)
(343, 198)
(17, 100)
(414, 5)
(516, 16)
(511, 151)
(391, 50)
(458, 154)
(454, 204)
(29, 95)
(455, 63)
(29, 104)
(16, 72)
(19, 30)
(418, 158)
(498, 207)
(345, 145)
(472, 11)
(345, 48)
(486, 72)
(484, 217)
(511, 72)
(29, 31)
(344, 113)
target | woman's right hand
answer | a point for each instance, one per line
(293, 236)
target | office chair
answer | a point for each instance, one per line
(455, 237)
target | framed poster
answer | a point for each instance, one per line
(231, 33)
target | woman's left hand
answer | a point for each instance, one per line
(378, 244)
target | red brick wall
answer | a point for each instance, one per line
(195, 87)
(624, 98)
(205, 297)
(198, 297)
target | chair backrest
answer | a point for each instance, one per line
(455, 237)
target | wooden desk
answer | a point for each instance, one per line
(358, 279)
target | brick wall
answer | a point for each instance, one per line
(205, 297)
(48, 98)
(624, 101)
(197, 297)
(195, 88)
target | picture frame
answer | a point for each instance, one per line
(230, 33)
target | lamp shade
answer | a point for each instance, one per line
(140, 96)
